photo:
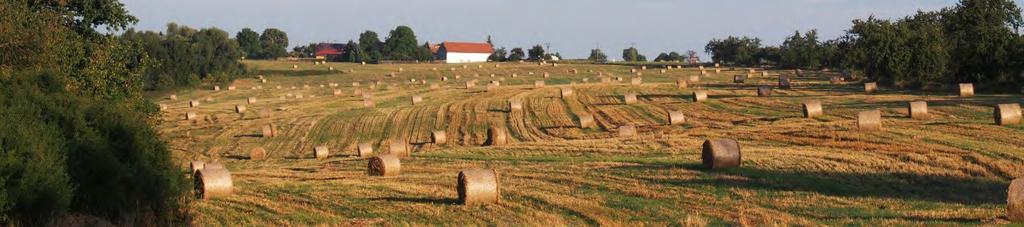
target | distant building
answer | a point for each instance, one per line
(329, 50)
(464, 52)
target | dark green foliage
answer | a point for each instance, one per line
(307, 51)
(735, 50)
(274, 43)
(631, 54)
(185, 57)
(499, 55)
(910, 51)
(369, 43)
(249, 42)
(982, 36)
(597, 56)
(673, 56)
(801, 51)
(536, 53)
(516, 54)
(424, 53)
(401, 45)
(352, 53)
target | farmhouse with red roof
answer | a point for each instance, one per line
(464, 52)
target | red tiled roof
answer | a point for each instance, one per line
(325, 49)
(465, 47)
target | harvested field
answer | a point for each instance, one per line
(952, 168)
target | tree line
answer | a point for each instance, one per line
(535, 53)
(975, 41)
(399, 45)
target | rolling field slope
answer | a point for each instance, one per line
(951, 169)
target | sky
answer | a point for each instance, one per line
(570, 27)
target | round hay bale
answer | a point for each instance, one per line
(682, 83)
(368, 103)
(694, 79)
(439, 137)
(629, 98)
(1008, 114)
(173, 97)
(268, 130)
(193, 103)
(739, 79)
(496, 136)
(870, 87)
(163, 106)
(643, 67)
(627, 131)
(239, 108)
(784, 82)
(491, 87)
(587, 120)
(703, 72)
(752, 71)
(417, 99)
(918, 110)
(212, 182)
(869, 120)
(470, 84)
(196, 166)
(718, 70)
(636, 81)
(364, 150)
(321, 152)
(764, 91)
(257, 153)
(538, 84)
(251, 100)
(721, 153)
(515, 105)
(836, 80)
(216, 88)
(812, 108)
(764, 73)
(384, 165)
(700, 96)
(231, 88)
(478, 186)
(566, 92)
(676, 118)
(434, 86)
(1015, 200)
(191, 116)
(337, 92)
(399, 148)
(966, 89)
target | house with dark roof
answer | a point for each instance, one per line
(464, 52)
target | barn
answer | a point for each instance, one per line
(464, 52)
(329, 50)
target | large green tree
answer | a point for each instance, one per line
(400, 44)
(735, 50)
(249, 42)
(274, 43)
(516, 54)
(597, 56)
(370, 43)
(536, 53)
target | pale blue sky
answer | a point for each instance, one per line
(572, 27)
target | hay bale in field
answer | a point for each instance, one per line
(364, 150)
(566, 92)
(355, 84)
(212, 182)
(586, 120)
(491, 87)
(173, 97)
(191, 116)
(445, 78)
(514, 75)
(538, 84)
(369, 103)
(694, 79)
(216, 88)
(643, 67)
(547, 75)
(784, 82)
(384, 165)
(470, 84)
(1015, 200)
(836, 80)
(321, 152)
(764, 91)
(739, 79)
(632, 70)
(239, 108)
(701, 67)
(870, 87)
(417, 99)
(966, 89)
(439, 137)
(250, 100)
(627, 131)
(269, 130)
(700, 96)
(721, 153)
(399, 147)
(918, 110)
(718, 71)
(662, 71)
(515, 105)
(193, 103)
(676, 117)
(496, 136)
(764, 73)
(636, 81)
(629, 98)
(752, 71)
(812, 108)
(703, 72)
(478, 186)
(434, 86)
(680, 83)
(1008, 114)
(257, 153)
(337, 92)
(869, 120)
(231, 88)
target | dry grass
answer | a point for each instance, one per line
(952, 169)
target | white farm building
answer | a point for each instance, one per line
(464, 52)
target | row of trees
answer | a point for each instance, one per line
(974, 41)
(76, 134)
(399, 45)
(271, 44)
(183, 56)
(535, 53)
